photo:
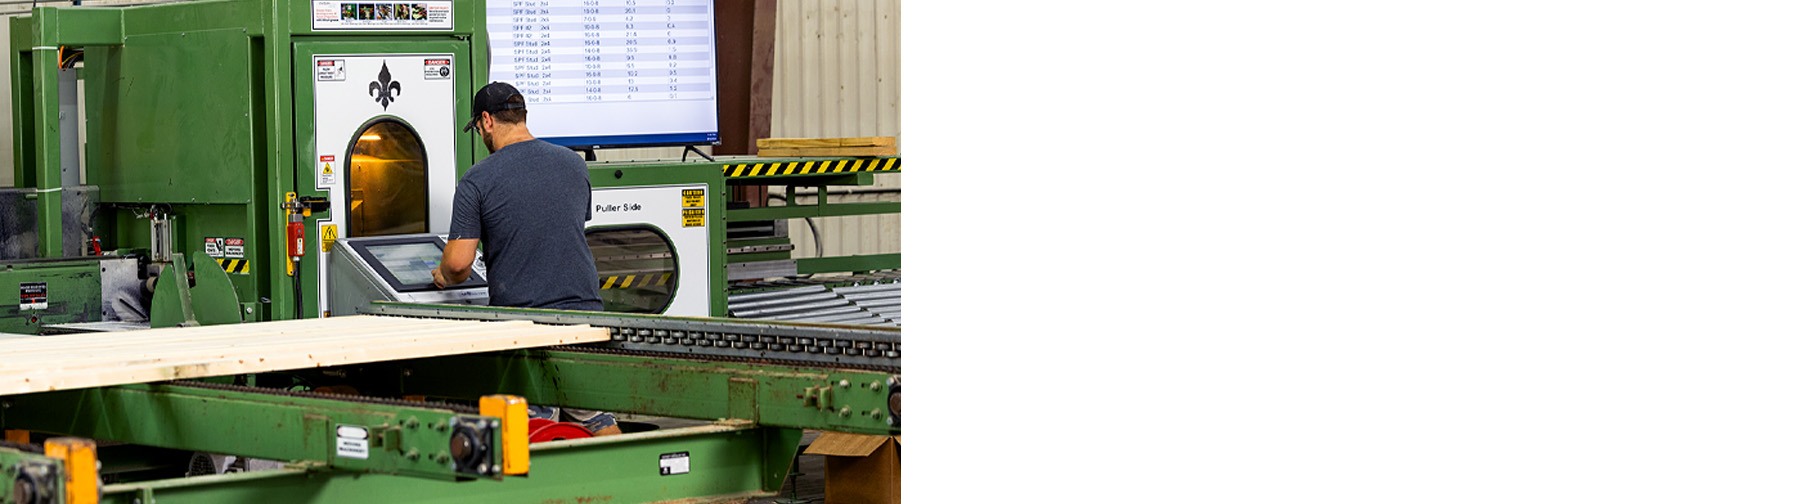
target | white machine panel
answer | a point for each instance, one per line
(664, 207)
(352, 91)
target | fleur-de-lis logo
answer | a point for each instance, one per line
(384, 90)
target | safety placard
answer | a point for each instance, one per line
(674, 463)
(352, 442)
(34, 296)
(232, 248)
(338, 15)
(328, 234)
(437, 68)
(327, 171)
(693, 198)
(331, 70)
(693, 217)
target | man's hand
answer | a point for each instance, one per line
(459, 255)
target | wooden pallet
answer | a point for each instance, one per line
(826, 147)
(98, 359)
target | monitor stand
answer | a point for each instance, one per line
(691, 148)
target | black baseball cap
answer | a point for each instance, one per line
(492, 98)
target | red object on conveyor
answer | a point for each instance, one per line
(545, 430)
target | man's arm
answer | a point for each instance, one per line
(459, 255)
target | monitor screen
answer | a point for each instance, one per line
(410, 263)
(610, 73)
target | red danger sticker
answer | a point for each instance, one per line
(327, 158)
(326, 63)
(437, 62)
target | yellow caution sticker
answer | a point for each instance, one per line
(693, 217)
(328, 235)
(238, 266)
(693, 198)
(812, 167)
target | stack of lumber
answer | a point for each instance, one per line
(99, 359)
(826, 147)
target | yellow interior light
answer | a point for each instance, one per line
(370, 136)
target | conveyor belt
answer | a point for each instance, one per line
(790, 343)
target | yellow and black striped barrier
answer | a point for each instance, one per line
(812, 167)
(239, 266)
(629, 281)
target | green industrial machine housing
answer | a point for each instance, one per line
(212, 126)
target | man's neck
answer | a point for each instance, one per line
(508, 136)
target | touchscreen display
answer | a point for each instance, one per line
(411, 263)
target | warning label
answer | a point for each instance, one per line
(437, 68)
(34, 296)
(352, 442)
(693, 198)
(331, 70)
(327, 175)
(328, 235)
(232, 248)
(693, 217)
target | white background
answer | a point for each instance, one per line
(1388, 251)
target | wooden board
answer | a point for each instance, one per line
(807, 143)
(827, 151)
(98, 359)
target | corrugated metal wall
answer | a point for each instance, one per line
(837, 74)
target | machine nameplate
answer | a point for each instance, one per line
(674, 463)
(34, 296)
(338, 15)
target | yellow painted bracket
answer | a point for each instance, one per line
(82, 481)
(515, 431)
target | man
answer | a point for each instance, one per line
(527, 205)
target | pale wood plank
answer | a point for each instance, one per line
(130, 341)
(271, 346)
(499, 340)
(796, 143)
(254, 344)
(827, 151)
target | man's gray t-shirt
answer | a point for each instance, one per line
(528, 204)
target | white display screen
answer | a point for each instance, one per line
(410, 263)
(609, 72)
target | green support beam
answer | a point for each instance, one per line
(395, 438)
(726, 462)
(766, 394)
(871, 262)
(804, 211)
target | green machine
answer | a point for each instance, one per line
(212, 128)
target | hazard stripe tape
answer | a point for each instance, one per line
(634, 281)
(811, 167)
(239, 266)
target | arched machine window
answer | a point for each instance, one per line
(637, 268)
(387, 182)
